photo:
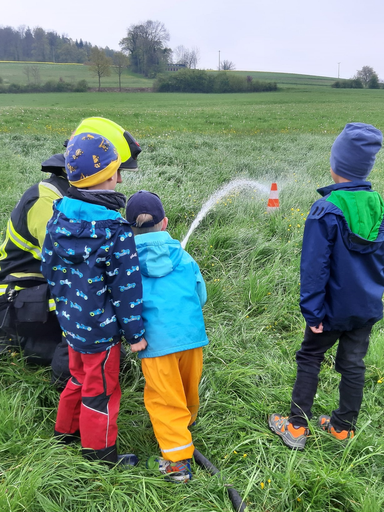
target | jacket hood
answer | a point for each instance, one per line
(362, 211)
(349, 185)
(158, 253)
(54, 164)
(82, 229)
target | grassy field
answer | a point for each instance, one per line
(14, 72)
(316, 110)
(289, 79)
(192, 146)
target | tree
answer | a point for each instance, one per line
(374, 82)
(27, 44)
(365, 74)
(35, 74)
(120, 62)
(100, 64)
(8, 44)
(146, 45)
(227, 65)
(40, 47)
(189, 58)
(53, 39)
(70, 53)
(32, 73)
(27, 73)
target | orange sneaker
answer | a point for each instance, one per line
(293, 437)
(341, 435)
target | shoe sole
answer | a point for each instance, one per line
(279, 434)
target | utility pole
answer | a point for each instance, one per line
(219, 60)
(338, 69)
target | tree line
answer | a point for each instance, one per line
(146, 45)
(144, 50)
(37, 45)
(366, 77)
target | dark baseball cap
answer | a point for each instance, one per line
(144, 202)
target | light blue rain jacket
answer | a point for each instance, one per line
(173, 296)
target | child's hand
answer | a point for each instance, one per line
(138, 347)
(317, 329)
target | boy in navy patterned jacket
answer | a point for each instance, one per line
(91, 264)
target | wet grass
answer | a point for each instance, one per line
(315, 110)
(250, 261)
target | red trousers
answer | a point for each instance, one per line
(91, 399)
(171, 397)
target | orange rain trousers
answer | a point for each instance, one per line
(171, 397)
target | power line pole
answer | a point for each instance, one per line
(219, 60)
(338, 69)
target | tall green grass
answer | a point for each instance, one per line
(15, 73)
(165, 116)
(250, 261)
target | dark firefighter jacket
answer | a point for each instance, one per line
(20, 253)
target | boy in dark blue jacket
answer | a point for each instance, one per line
(91, 265)
(342, 284)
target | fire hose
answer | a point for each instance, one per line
(234, 496)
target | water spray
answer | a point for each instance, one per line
(216, 196)
(238, 504)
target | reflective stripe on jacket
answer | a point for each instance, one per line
(20, 253)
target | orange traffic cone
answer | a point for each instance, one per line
(273, 201)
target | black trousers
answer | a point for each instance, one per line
(42, 344)
(352, 348)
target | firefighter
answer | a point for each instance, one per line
(27, 313)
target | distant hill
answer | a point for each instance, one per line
(289, 79)
(16, 72)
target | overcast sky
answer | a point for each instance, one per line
(297, 36)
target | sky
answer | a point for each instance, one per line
(332, 38)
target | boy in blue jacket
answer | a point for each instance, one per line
(173, 296)
(91, 265)
(342, 284)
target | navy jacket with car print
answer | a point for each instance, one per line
(91, 265)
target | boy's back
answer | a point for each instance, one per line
(173, 295)
(342, 285)
(342, 279)
(87, 253)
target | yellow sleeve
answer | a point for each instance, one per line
(41, 212)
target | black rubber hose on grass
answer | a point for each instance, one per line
(234, 496)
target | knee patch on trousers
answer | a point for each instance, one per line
(98, 403)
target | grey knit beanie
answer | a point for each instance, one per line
(354, 151)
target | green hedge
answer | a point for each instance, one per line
(196, 80)
(353, 83)
(50, 86)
